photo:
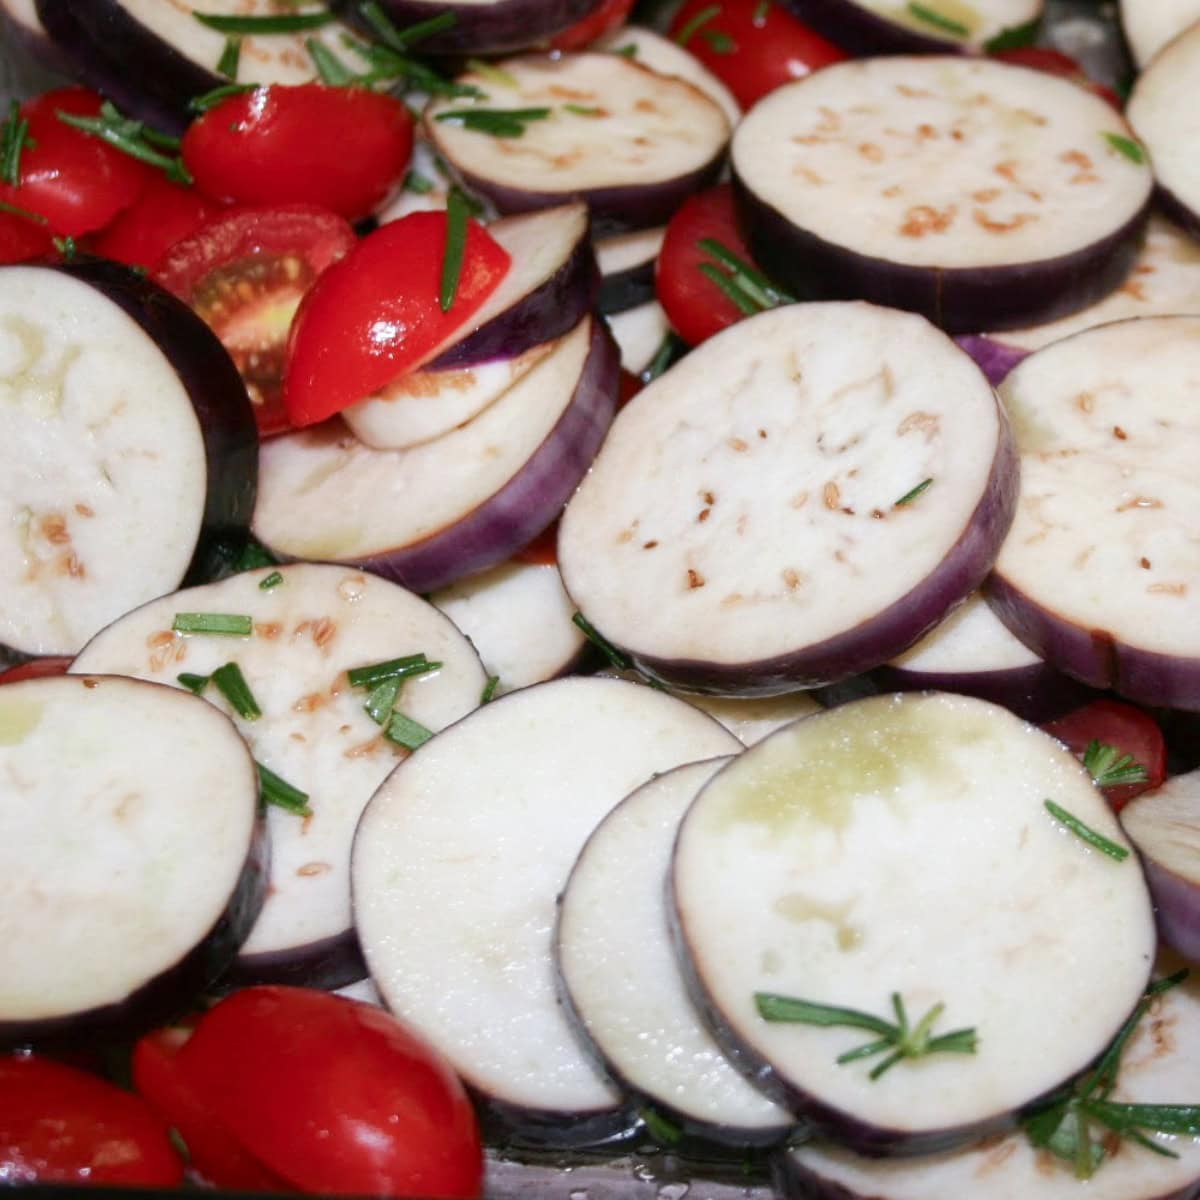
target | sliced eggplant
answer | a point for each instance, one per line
(901, 847)
(25, 35)
(980, 194)
(438, 512)
(311, 624)
(129, 454)
(798, 500)
(518, 616)
(751, 720)
(629, 142)
(626, 262)
(1150, 24)
(457, 864)
(1158, 1067)
(1099, 574)
(623, 985)
(1162, 111)
(995, 358)
(640, 334)
(132, 861)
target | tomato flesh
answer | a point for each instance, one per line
(36, 668)
(610, 15)
(164, 213)
(22, 239)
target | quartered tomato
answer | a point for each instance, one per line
(609, 15)
(1055, 62)
(245, 273)
(62, 1125)
(22, 238)
(340, 147)
(376, 314)
(157, 219)
(751, 46)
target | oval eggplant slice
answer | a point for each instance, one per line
(626, 262)
(629, 142)
(457, 864)
(980, 194)
(132, 861)
(129, 453)
(798, 500)
(1099, 573)
(1158, 1067)
(311, 624)
(1162, 111)
(898, 851)
(623, 985)
(438, 512)
(751, 720)
(1150, 24)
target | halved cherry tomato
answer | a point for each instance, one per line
(609, 15)
(157, 219)
(76, 181)
(22, 238)
(1055, 62)
(751, 46)
(342, 148)
(245, 273)
(62, 1125)
(36, 668)
(334, 1096)
(1125, 727)
(376, 314)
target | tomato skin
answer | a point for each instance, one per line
(610, 15)
(752, 50)
(1055, 62)
(375, 315)
(334, 1095)
(1129, 729)
(341, 148)
(62, 1125)
(157, 219)
(36, 668)
(22, 239)
(76, 181)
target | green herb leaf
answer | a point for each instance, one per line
(331, 69)
(669, 349)
(629, 50)
(422, 185)
(403, 40)
(406, 732)
(231, 683)
(382, 700)
(492, 73)
(271, 23)
(718, 42)
(253, 555)
(496, 122)
(760, 12)
(1126, 146)
(457, 216)
(131, 137)
(231, 56)
(489, 689)
(919, 490)
(201, 104)
(194, 683)
(664, 1131)
(749, 289)
(1015, 37)
(697, 23)
(65, 246)
(583, 110)
(224, 624)
(17, 211)
(13, 140)
(271, 581)
(277, 791)
(1108, 767)
(1086, 834)
(395, 668)
(593, 635)
(938, 20)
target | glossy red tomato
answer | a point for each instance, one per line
(376, 314)
(751, 46)
(62, 1125)
(334, 1096)
(36, 668)
(1126, 728)
(609, 15)
(343, 148)
(76, 181)
(22, 238)
(157, 219)
(1055, 62)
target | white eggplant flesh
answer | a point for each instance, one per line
(640, 333)
(622, 981)
(310, 628)
(457, 865)
(751, 720)
(1150, 24)
(901, 846)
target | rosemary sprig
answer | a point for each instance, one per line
(277, 791)
(697, 23)
(202, 103)
(496, 122)
(270, 23)
(231, 56)
(1086, 833)
(621, 661)
(1127, 146)
(457, 215)
(132, 137)
(916, 492)
(13, 141)
(387, 65)
(331, 69)
(749, 289)
(938, 20)
(17, 211)
(402, 40)
(1108, 767)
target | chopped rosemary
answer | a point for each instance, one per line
(422, 185)
(898, 1040)
(395, 668)
(406, 732)
(621, 661)
(194, 683)
(280, 793)
(226, 624)
(271, 23)
(718, 42)
(17, 211)
(331, 69)
(132, 137)
(663, 1130)
(697, 23)
(749, 289)
(457, 215)
(668, 350)
(1126, 146)
(1015, 37)
(382, 700)
(584, 110)
(202, 103)
(761, 9)
(919, 490)
(492, 73)
(231, 56)
(401, 40)
(496, 122)
(1085, 833)
(387, 65)
(489, 689)
(231, 683)
(14, 139)
(65, 246)
(938, 20)
(271, 581)
(1108, 767)
(252, 556)
(629, 50)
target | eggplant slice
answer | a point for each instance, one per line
(1150, 24)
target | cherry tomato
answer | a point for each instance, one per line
(610, 15)
(245, 273)
(376, 314)
(341, 148)
(750, 46)
(1055, 62)
(36, 668)
(22, 238)
(1124, 727)
(76, 181)
(157, 219)
(334, 1096)
(62, 1125)
(695, 305)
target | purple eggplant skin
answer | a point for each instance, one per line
(861, 32)
(887, 633)
(496, 28)
(994, 359)
(1094, 656)
(100, 41)
(626, 289)
(1176, 907)
(1185, 216)
(329, 964)
(515, 1126)
(960, 300)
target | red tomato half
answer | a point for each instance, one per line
(157, 219)
(1055, 62)
(1123, 726)
(74, 180)
(245, 273)
(22, 239)
(36, 668)
(609, 15)
(343, 148)
(375, 315)
(62, 1125)
(335, 1096)
(751, 46)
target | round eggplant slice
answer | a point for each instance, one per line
(128, 456)
(310, 626)
(893, 856)
(1162, 111)
(629, 142)
(623, 984)
(640, 333)
(1150, 24)
(995, 359)
(751, 720)
(796, 501)
(457, 864)
(980, 194)
(132, 861)
(863, 27)
(626, 262)
(1099, 573)
(465, 502)
(1157, 1067)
